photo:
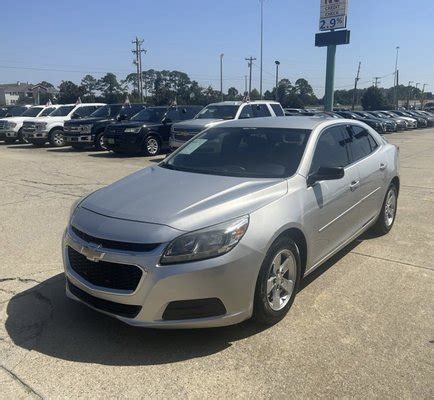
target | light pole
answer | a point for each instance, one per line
(221, 75)
(422, 95)
(262, 39)
(396, 77)
(277, 78)
(408, 94)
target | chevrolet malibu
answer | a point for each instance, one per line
(225, 228)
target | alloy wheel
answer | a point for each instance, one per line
(281, 280)
(390, 208)
(152, 145)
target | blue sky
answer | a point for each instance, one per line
(67, 39)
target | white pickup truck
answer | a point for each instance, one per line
(50, 128)
(14, 125)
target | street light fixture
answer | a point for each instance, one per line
(277, 78)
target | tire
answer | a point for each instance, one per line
(21, 138)
(10, 140)
(276, 288)
(56, 138)
(99, 142)
(387, 216)
(152, 146)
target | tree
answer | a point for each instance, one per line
(69, 92)
(232, 94)
(111, 89)
(90, 85)
(373, 99)
(254, 95)
(46, 84)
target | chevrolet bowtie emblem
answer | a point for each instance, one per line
(92, 254)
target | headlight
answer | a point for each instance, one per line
(86, 128)
(206, 243)
(12, 124)
(41, 125)
(133, 130)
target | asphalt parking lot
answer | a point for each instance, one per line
(361, 326)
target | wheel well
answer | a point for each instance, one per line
(298, 237)
(56, 128)
(396, 182)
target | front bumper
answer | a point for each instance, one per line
(2, 134)
(11, 134)
(36, 134)
(131, 143)
(83, 139)
(231, 278)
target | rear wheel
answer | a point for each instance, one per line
(387, 215)
(152, 146)
(277, 282)
(56, 138)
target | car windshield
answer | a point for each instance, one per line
(62, 111)
(106, 111)
(47, 111)
(242, 152)
(16, 111)
(32, 112)
(218, 112)
(151, 114)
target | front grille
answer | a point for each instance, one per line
(112, 244)
(105, 274)
(115, 130)
(123, 310)
(3, 125)
(29, 126)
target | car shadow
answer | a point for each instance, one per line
(66, 149)
(21, 146)
(43, 319)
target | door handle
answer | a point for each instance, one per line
(382, 166)
(354, 185)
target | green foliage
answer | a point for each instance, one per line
(373, 99)
(112, 91)
(90, 85)
(69, 92)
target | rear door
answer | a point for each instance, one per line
(366, 155)
(332, 214)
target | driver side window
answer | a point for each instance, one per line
(331, 150)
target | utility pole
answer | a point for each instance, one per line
(412, 97)
(396, 78)
(376, 81)
(245, 85)
(408, 94)
(221, 75)
(262, 40)
(422, 95)
(250, 64)
(356, 81)
(138, 61)
(277, 78)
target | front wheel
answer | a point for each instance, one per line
(99, 142)
(277, 282)
(21, 137)
(152, 146)
(56, 138)
(387, 215)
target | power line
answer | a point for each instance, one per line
(138, 61)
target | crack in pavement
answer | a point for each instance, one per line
(25, 386)
(43, 189)
(392, 261)
(65, 184)
(22, 280)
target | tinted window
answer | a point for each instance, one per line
(246, 152)
(84, 111)
(173, 114)
(218, 112)
(62, 111)
(277, 110)
(331, 150)
(129, 111)
(151, 114)
(246, 112)
(260, 110)
(47, 111)
(189, 112)
(361, 143)
(32, 112)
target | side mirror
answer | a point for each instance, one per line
(325, 174)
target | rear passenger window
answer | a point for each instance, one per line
(331, 150)
(246, 112)
(173, 114)
(260, 110)
(84, 111)
(361, 142)
(278, 110)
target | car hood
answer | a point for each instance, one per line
(182, 200)
(50, 120)
(196, 124)
(135, 124)
(85, 121)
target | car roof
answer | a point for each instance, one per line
(291, 122)
(239, 102)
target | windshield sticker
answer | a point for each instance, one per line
(193, 146)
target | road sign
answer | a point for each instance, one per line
(333, 14)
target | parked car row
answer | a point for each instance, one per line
(137, 128)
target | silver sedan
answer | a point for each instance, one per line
(225, 228)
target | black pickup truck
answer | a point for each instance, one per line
(88, 132)
(148, 131)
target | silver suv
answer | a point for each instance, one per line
(215, 113)
(224, 228)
